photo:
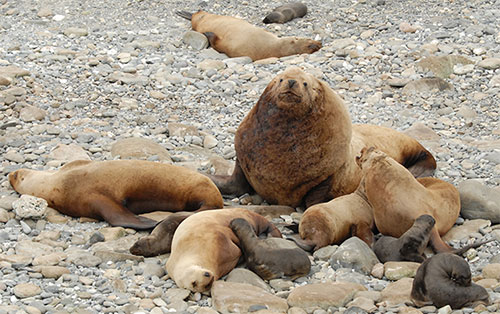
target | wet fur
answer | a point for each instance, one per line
(204, 243)
(117, 191)
(297, 146)
(237, 38)
(445, 279)
(264, 258)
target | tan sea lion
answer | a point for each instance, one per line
(297, 146)
(333, 222)
(237, 38)
(286, 12)
(267, 258)
(398, 198)
(445, 279)
(204, 248)
(117, 191)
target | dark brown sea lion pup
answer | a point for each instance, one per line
(445, 279)
(285, 13)
(204, 248)
(238, 38)
(117, 191)
(398, 198)
(410, 246)
(265, 258)
(333, 222)
(297, 146)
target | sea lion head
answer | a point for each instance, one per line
(296, 92)
(17, 179)
(426, 220)
(274, 17)
(196, 278)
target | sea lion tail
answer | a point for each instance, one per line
(421, 164)
(184, 14)
(461, 251)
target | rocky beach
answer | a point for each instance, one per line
(103, 80)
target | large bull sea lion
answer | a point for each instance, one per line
(237, 38)
(297, 146)
(117, 191)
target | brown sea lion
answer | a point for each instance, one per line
(410, 246)
(333, 222)
(204, 248)
(237, 38)
(117, 191)
(445, 279)
(398, 198)
(267, 258)
(297, 146)
(285, 13)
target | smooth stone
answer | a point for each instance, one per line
(107, 256)
(120, 245)
(177, 294)
(210, 142)
(398, 82)
(492, 271)
(407, 28)
(495, 81)
(488, 283)
(76, 31)
(153, 269)
(209, 64)
(354, 253)
(5, 81)
(243, 275)
(325, 253)
(490, 63)
(397, 292)
(52, 271)
(378, 271)
(138, 148)
(466, 112)
(28, 206)
(366, 304)
(7, 201)
(14, 156)
(50, 259)
(341, 43)
(68, 153)
(196, 40)
(461, 69)
(12, 71)
(31, 113)
(230, 297)
(33, 249)
(426, 85)
(44, 12)
(82, 258)
(442, 66)
(324, 295)
(4, 215)
(397, 270)
(26, 290)
(421, 132)
(181, 130)
(112, 233)
(479, 201)
(463, 231)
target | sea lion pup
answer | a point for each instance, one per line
(445, 279)
(333, 222)
(285, 13)
(237, 38)
(410, 246)
(398, 198)
(118, 190)
(297, 146)
(265, 258)
(204, 247)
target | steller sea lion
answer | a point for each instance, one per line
(286, 12)
(445, 279)
(237, 38)
(118, 190)
(398, 198)
(267, 258)
(204, 248)
(297, 146)
(333, 222)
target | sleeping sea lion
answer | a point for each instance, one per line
(267, 258)
(297, 146)
(237, 38)
(286, 12)
(445, 279)
(118, 190)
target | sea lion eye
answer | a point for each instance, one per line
(206, 274)
(305, 84)
(281, 80)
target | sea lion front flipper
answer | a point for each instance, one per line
(437, 243)
(212, 38)
(363, 231)
(117, 215)
(236, 184)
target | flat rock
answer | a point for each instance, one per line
(31, 113)
(461, 232)
(442, 66)
(5, 81)
(397, 270)
(427, 85)
(243, 275)
(30, 248)
(4, 215)
(68, 153)
(209, 64)
(181, 130)
(196, 40)
(26, 290)
(479, 201)
(492, 271)
(7, 201)
(421, 132)
(495, 81)
(490, 63)
(12, 71)
(228, 297)
(28, 206)
(139, 148)
(324, 295)
(112, 233)
(354, 253)
(366, 304)
(82, 258)
(52, 271)
(76, 31)
(121, 245)
(107, 256)
(397, 292)
(49, 259)
(398, 82)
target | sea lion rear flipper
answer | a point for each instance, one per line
(306, 245)
(422, 164)
(117, 215)
(184, 14)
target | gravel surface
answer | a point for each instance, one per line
(90, 73)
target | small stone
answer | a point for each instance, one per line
(461, 69)
(445, 310)
(354, 253)
(67, 153)
(490, 63)
(76, 31)
(378, 271)
(398, 270)
(53, 271)
(208, 64)
(138, 148)
(479, 201)
(26, 290)
(44, 12)
(324, 295)
(32, 113)
(407, 28)
(196, 40)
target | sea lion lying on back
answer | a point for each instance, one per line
(285, 13)
(118, 190)
(398, 198)
(237, 38)
(445, 279)
(297, 146)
